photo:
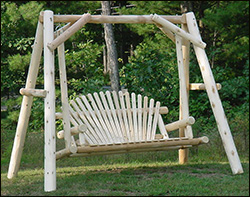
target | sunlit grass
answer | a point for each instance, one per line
(131, 174)
(134, 178)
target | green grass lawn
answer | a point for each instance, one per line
(208, 173)
(134, 179)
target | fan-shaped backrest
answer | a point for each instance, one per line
(116, 118)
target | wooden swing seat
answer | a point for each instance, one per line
(110, 123)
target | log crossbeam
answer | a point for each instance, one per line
(201, 86)
(181, 19)
(33, 92)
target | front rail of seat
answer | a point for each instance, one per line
(117, 148)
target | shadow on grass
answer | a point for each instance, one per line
(134, 179)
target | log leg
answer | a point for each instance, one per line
(184, 109)
(23, 120)
(69, 143)
(49, 106)
(214, 99)
(183, 153)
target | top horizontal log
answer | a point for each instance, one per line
(181, 19)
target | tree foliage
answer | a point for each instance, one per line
(147, 58)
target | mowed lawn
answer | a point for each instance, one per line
(134, 179)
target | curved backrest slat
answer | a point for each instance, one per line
(108, 111)
(104, 126)
(105, 118)
(150, 116)
(124, 115)
(144, 122)
(119, 113)
(134, 112)
(113, 117)
(101, 132)
(156, 116)
(114, 114)
(139, 109)
(83, 120)
(129, 113)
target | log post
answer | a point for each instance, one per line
(214, 99)
(69, 144)
(184, 110)
(24, 115)
(49, 106)
(183, 153)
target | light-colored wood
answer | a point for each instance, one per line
(118, 110)
(62, 29)
(162, 110)
(183, 153)
(97, 122)
(111, 105)
(178, 31)
(201, 86)
(33, 92)
(144, 122)
(49, 106)
(59, 115)
(180, 124)
(139, 99)
(155, 121)
(73, 131)
(162, 128)
(184, 110)
(158, 136)
(140, 145)
(69, 32)
(83, 120)
(25, 111)
(62, 153)
(214, 99)
(116, 19)
(87, 119)
(97, 111)
(129, 113)
(124, 115)
(167, 32)
(128, 151)
(104, 115)
(104, 101)
(150, 117)
(101, 131)
(134, 112)
(64, 97)
(75, 120)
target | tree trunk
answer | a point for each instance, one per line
(186, 6)
(112, 60)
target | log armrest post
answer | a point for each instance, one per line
(74, 131)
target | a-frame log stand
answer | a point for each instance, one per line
(48, 40)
